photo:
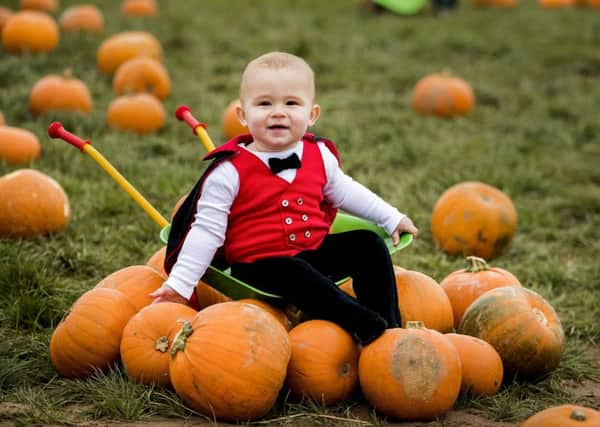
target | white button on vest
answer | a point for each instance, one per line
(284, 203)
(307, 234)
(292, 237)
(299, 201)
(304, 217)
(288, 220)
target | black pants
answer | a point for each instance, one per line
(307, 281)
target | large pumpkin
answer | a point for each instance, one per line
(18, 145)
(443, 95)
(410, 374)
(231, 123)
(140, 113)
(466, 285)
(522, 327)
(564, 416)
(126, 45)
(230, 361)
(82, 17)
(482, 369)
(135, 282)
(31, 204)
(139, 7)
(276, 312)
(324, 362)
(142, 74)
(147, 339)
(30, 31)
(59, 93)
(5, 14)
(473, 218)
(89, 336)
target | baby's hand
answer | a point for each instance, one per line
(405, 226)
(166, 293)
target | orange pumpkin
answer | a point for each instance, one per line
(135, 282)
(139, 8)
(522, 327)
(230, 361)
(32, 204)
(482, 369)
(2, 122)
(276, 312)
(443, 95)
(473, 218)
(207, 295)
(157, 260)
(42, 5)
(59, 93)
(177, 206)
(82, 17)
(147, 338)
(88, 337)
(466, 285)
(564, 416)
(588, 3)
(141, 74)
(126, 45)
(410, 374)
(30, 31)
(324, 362)
(18, 145)
(5, 13)
(140, 113)
(231, 124)
(557, 3)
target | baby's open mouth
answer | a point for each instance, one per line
(277, 127)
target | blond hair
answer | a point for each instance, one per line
(277, 61)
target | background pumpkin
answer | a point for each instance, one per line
(522, 327)
(88, 337)
(120, 47)
(231, 124)
(30, 31)
(32, 204)
(43, 5)
(557, 3)
(442, 95)
(564, 416)
(324, 362)
(142, 74)
(5, 13)
(82, 17)
(18, 145)
(410, 374)
(135, 282)
(147, 338)
(466, 285)
(59, 93)
(139, 8)
(238, 379)
(473, 218)
(140, 113)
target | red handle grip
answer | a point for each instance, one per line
(56, 130)
(184, 113)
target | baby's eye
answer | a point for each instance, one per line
(292, 103)
(264, 103)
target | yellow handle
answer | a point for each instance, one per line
(120, 179)
(206, 141)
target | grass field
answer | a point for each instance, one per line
(534, 133)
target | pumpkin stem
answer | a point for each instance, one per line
(68, 73)
(578, 415)
(162, 344)
(181, 338)
(414, 324)
(476, 264)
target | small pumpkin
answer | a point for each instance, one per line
(139, 8)
(142, 74)
(410, 374)
(276, 312)
(5, 13)
(473, 218)
(564, 416)
(120, 47)
(135, 282)
(443, 95)
(324, 362)
(466, 285)
(231, 123)
(41, 5)
(59, 93)
(140, 113)
(482, 370)
(31, 31)
(32, 204)
(88, 337)
(521, 325)
(82, 17)
(240, 377)
(147, 339)
(18, 145)
(207, 295)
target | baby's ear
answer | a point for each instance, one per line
(315, 112)
(240, 114)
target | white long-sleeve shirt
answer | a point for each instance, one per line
(220, 188)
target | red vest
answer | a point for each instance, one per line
(271, 217)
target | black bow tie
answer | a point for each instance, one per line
(291, 162)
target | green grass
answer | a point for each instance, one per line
(534, 134)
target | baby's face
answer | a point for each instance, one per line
(277, 106)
